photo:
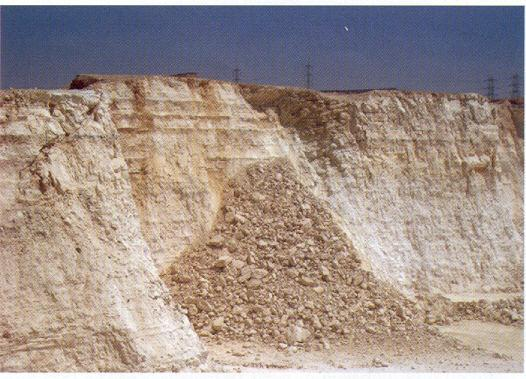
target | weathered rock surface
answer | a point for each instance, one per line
(182, 138)
(379, 194)
(429, 187)
(79, 290)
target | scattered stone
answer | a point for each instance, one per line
(262, 243)
(515, 316)
(192, 309)
(217, 324)
(230, 217)
(216, 242)
(316, 322)
(259, 273)
(244, 277)
(297, 334)
(293, 349)
(377, 362)
(222, 261)
(182, 278)
(306, 281)
(318, 290)
(325, 273)
(357, 279)
(239, 219)
(238, 264)
(256, 196)
(253, 283)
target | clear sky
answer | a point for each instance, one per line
(445, 49)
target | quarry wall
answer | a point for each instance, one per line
(103, 186)
(429, 187)
(182, 138)
(79, 290)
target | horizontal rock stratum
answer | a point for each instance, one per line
(105, 185)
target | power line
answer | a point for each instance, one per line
(237, 71)
(515, 87)
(490, 89)
(309, 75)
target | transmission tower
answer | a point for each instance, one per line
(515, 86)
(236, 74)
(490, 88)
(309, 74)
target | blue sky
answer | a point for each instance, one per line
(444, 49)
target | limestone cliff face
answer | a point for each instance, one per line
(101, 188)
(79, 290)
(182, 139)
(428, 186)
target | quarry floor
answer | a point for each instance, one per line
(474, 347)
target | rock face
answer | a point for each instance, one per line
(428, 187)
(182, 138)
(106, 185)
(79, 290)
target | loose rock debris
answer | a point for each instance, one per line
(279, 270)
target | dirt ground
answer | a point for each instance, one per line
(476, 347)
(490, 336)
(482, 296)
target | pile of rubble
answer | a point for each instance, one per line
(505, 311)
(442, 311)
(278, 269)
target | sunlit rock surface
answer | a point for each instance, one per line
(79, 289)
(103, 186)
